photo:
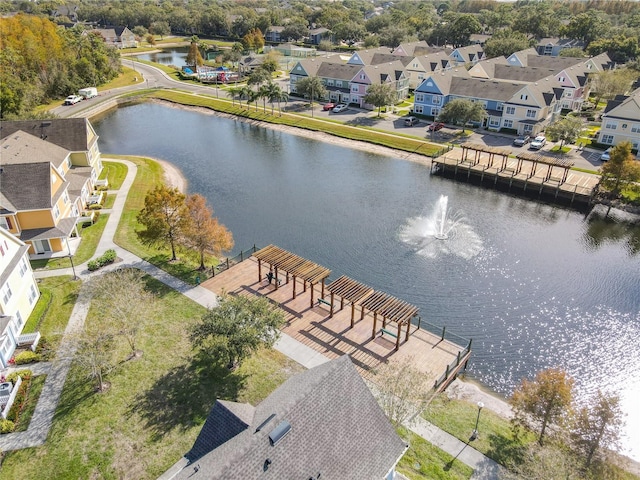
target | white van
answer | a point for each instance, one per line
(88, 92)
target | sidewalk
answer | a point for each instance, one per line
(57, 371)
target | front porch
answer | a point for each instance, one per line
(72, 245)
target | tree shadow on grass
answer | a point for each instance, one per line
(505, 451)
(184, 396)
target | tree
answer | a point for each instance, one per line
(598, 426)
(236, 328)
(462, 28)
(392, 36)
(276, 94)
(547, 462)
(545, 400)
(575, 52)
(401, 390)
(621, 169)
(311, 87)
(380, 95)
(124, 303)
(461, 111)
(565, 130)
(294, 31)
(349, 32)
(608, 83)
(151, 40)
(587, 26)
(160, 28)
(620, 48)
(194, 57)
(164, 216)
(204, 233)
(94, 353)
(505, 42)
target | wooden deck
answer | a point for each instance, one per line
(333, 337)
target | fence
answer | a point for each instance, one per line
(230, 262)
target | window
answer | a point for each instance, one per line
(511, 110)
(500, 107)
(5, 346)
(417, 109)
(494, 122)
(435, 111)
(363, 76)
(611, 125)
(528, 128)
(436, 99)
(56, 212)
(635, 128)
(69, 161)
(419, 97)
(507, 124)
(19, 320)
(23, 267)
(330, 83)
(524, 96)
(5, 222)
(415, 65)
(561, 79)
(608, 139)
(420, 76)
(6, 293)
(354, 88)
(65, 197)
(33, 294)
(531, 114)
(339, 83)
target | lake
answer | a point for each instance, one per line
(534, 285)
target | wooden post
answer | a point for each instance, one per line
(406, 337)
(276, 277)
(362, 312)
(398, 337)
(341, 303)
(287, 282)
(331, 307)
(384, 322)
(443, 330)
(323, 292)
(312, 289)
(227, 263)
(259, 270)
(353, 312)
(294, 286)
(419, 321)
(304, 286)
(373, 334)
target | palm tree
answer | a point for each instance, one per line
(263, 93)
(246, 92)
(311, 87)
(276, 94)
(235, 91)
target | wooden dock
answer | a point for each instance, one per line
(537, 174)
(333, 336)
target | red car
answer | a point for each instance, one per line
(435, 126)
(328, 106)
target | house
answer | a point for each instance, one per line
(48, 172)
(553, 46)
(469, 55)
(337, 79)
(316, 35)
(18, 293)
(621, 121)
(412, 49)
(273, 34)
(323, 423)
(69, 11)
(117, 36)
(291, 50)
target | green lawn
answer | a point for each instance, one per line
(115, 172)
(155, 407)
(495, 438)
(90, 237)
(110, 200)
(51, 313)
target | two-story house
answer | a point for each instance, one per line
(273, 34)
(18, 293)
(553, 46)
(621, 121)
(117, 36)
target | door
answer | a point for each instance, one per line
(41, 246)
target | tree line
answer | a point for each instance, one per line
(40, 61)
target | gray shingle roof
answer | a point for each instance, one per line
(481, 88)
(338, 71)
(62, 230)
(68, 133)
(26, 186)
(337, 430)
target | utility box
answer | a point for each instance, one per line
(88, 92)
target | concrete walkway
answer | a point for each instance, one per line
(57, 371)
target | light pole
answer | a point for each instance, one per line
(474, 435)
(73, 268)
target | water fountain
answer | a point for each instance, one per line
(441, 232)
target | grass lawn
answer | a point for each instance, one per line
(495, 438)
(425, 461)
(108, 203)
(155, 407)
(149, 175)
(51, 313)
(90, 238)
(115, 172)
(127, 77)
(558, 149)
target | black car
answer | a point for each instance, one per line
(522, 140)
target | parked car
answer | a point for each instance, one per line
(538, 142)
(328, 106)
(521, 140)
(411, 121)
(72, 99)
(340, 108)
(435, 126)
(606, 155)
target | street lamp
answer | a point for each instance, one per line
(474, 435)
(73, 268)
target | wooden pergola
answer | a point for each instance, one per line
(291, 264)
(350, 290)
(478, 149)
(537, 159)
(391, 309)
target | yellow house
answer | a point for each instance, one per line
(48, 174)
(18, 293)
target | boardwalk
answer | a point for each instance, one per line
(333, 337)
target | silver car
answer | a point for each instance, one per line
(538, 142)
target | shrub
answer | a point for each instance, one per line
(109, 256)
(93, 265)
(27, 357)
(24, 374)
(6, 426)
(95, 206)
(18, 403)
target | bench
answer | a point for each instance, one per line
(388, 332)
(326, 302)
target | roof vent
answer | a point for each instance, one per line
(279, 432)
(264, 424)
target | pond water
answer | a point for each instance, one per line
(168, 56)
(534, 285)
